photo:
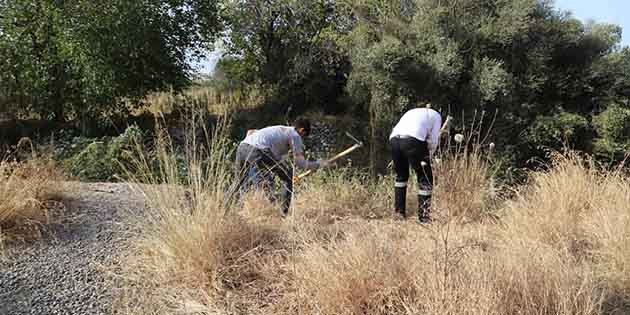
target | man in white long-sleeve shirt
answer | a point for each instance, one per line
(264, 149)
(413, 140)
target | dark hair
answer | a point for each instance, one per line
(303, 123)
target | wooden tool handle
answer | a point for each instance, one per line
(305, 174)
(344, 153)
(334, 158)
(446, 124)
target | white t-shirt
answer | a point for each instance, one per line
(421, 123)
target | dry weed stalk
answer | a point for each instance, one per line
(465, 172)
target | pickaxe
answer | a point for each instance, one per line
(349, 150)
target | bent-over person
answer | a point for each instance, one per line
(264, 150)
(413, 140)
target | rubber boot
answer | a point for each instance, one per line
(400, 200)
(424, 209)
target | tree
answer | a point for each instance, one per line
(289, 46)
(520, 57)
(64, 59)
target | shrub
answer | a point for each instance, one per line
(560, 130)
(614, 123)
(26, 189)
(613, 127)
(103, 159)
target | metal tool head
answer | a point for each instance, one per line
(359, 143)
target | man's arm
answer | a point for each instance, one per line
(435, 134)
(298, 155)
(302, 163)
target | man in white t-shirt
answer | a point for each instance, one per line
(413, 140)
(264, 149)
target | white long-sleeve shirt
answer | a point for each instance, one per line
(421, 123)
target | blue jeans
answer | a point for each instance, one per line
(257, 167)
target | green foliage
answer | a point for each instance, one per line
(613, 127)
(231, 73)
(104, 159)
(288, 47)
(520, 57)
(490, 79)
(77, 59)
(614, 123)
(374, 58)
(562, 129)
(610, 77)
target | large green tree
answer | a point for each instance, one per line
(64, 59)
(531, 62)
(288, 47)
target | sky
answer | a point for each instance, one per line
(603, 11)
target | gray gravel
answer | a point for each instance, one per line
(62, 273)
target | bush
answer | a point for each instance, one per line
(561, 130)
(103, 159)
(613, 127)
(25, 191)
(614, 124)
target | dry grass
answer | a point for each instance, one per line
(582, 211)
(465, 188)
(560, 246)
(216, 102)
(539, 259)
(28, 190)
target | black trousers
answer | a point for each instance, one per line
(251, 161)
(410, 152)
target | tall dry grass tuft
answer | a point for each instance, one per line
(465, 188)
(393, 268)
(27, 191)
(465, 171)
(581, 210)
(381, 268)
(193, 248)
(559, 248)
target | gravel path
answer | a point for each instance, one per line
(62, 273)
